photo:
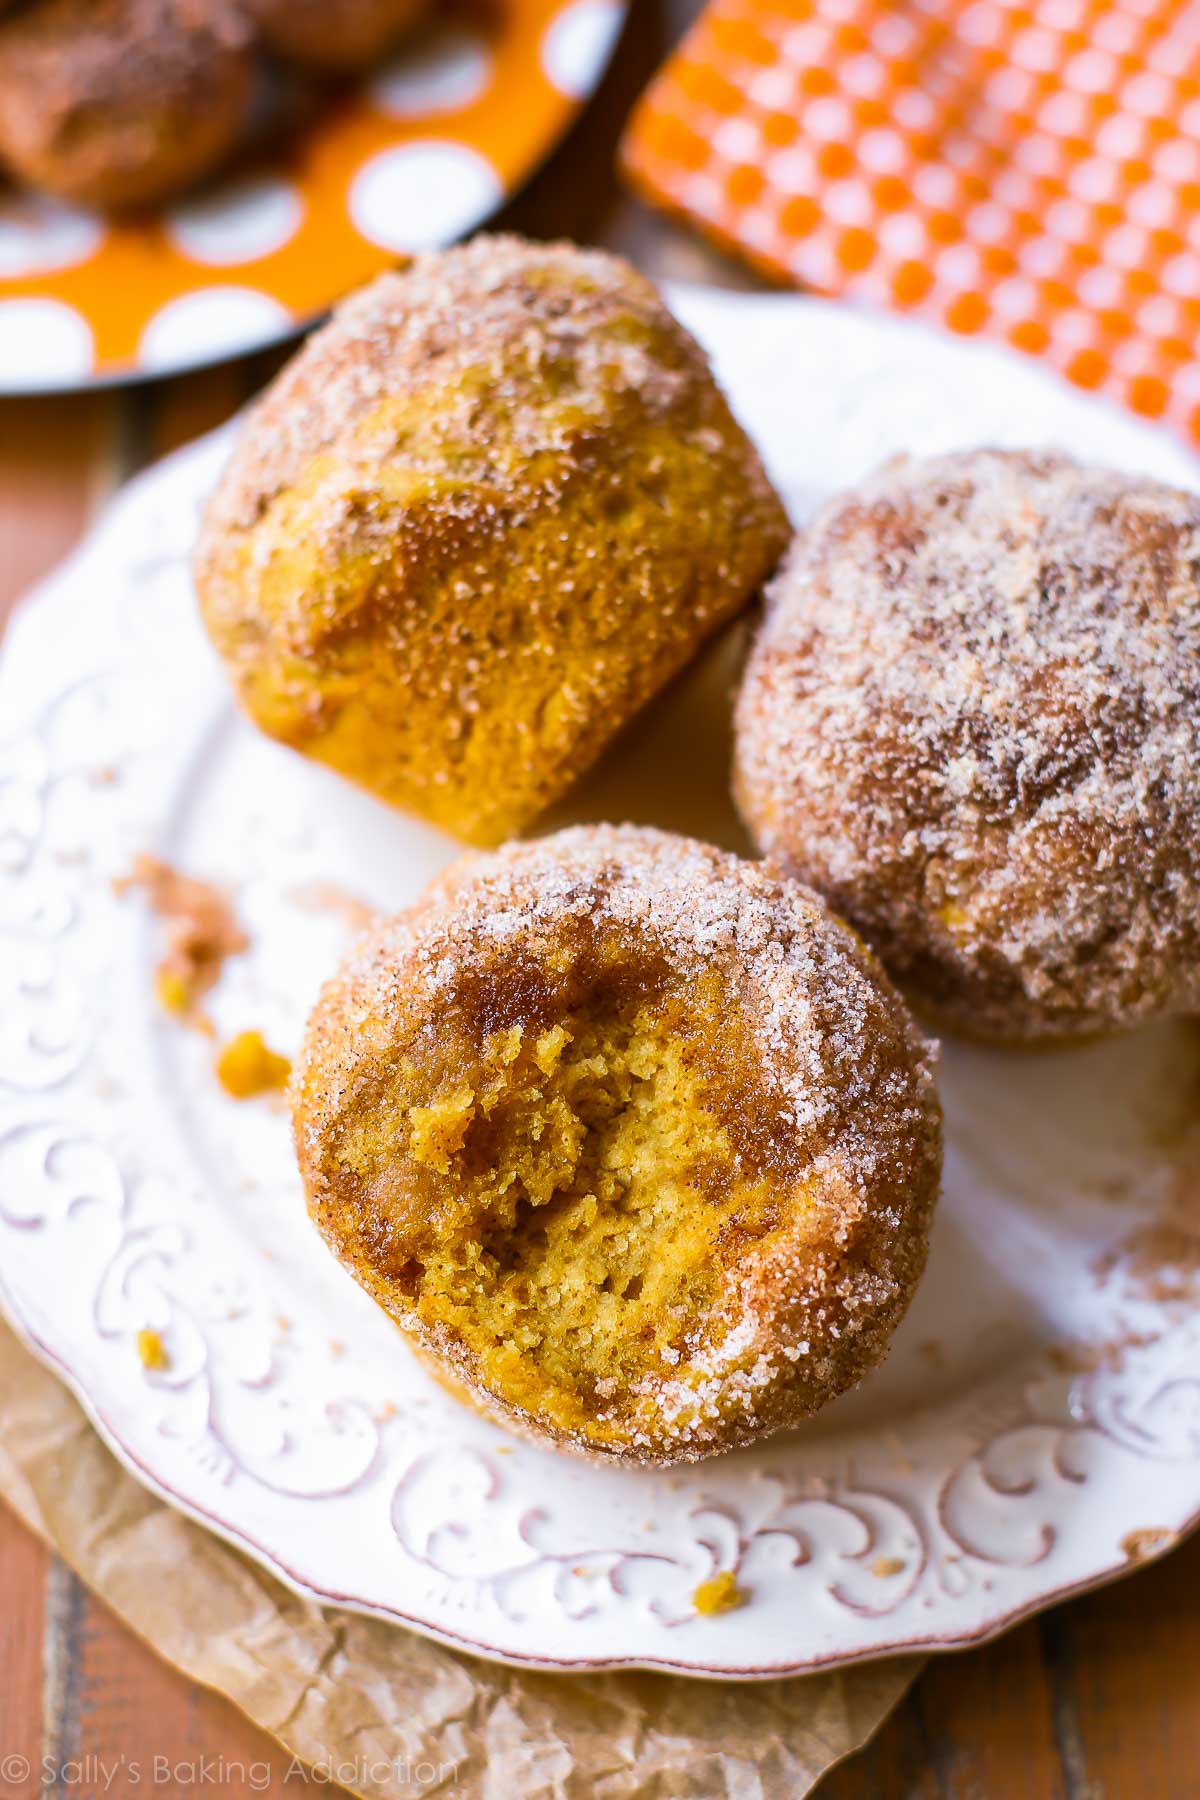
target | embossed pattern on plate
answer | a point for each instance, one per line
(1037, 1427)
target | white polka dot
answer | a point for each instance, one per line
(893, 35)
(578, 43)
(1042, 257)
(959, 266)
(903, 235)
(1092, 71)
(792, 171)
(1009, 89)
(1154, 204)
(864, 75)
(1099, 286)
(1063, 15)
(935, 185)
(1096, 179)
(1148, 94)
(419, 196)
(882, 151)
(848, 202)
(1072, 330)
(1126, 247)
(759, 229)
(1035, 49)
(39, 235)
(1160, 316)
(828, 118)
(1111, 31)
(774, 88)
(803, 45)
(42, 344)
(1014, 298)
(236, 223)
(441, 71)
(1181, 275)
(988, 222)
(1068, 114)
(981, 25)
(705, 196)
(1177, 160)
(1068, 219)
(913, 110)
(737, 140)
(210, 323)
(1120, 135)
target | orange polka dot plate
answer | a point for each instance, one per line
(415, 156)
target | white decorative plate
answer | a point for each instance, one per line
(1037, 1428)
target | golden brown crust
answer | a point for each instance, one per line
(816, 1144)
(334, 36)
(476, 523)
(972, 721)
(118, 103)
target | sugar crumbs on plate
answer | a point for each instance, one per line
(247, 1067)
(201, 931)
(152, 1351)
(719, 1594)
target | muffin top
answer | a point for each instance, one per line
(633, 1134)
(527, 346)
(972, 720)
(476, 523)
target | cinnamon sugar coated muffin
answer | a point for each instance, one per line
(479, 519)
(334, 36)
(972, 722)
(631, 1135)
(117, 103)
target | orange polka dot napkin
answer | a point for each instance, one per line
(1025, 168)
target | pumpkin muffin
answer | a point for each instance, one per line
(476, 523)
(633, 1137)
(118, 103)
(972, 722)
(334, 36)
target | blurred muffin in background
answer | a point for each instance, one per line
(119, 103)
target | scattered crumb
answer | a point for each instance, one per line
(201, 932)
(1160, 1262)
(1073, 1358)
(326, 896)
(1138, 1545)
(719, 1594)
(152, 1350)
(103, 776)
(247, 1067)
(336, 1347)
(887, 1566)
(283, 1322)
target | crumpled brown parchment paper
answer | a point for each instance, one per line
(334, 1687)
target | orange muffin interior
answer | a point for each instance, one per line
(570, 1209)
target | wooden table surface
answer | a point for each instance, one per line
(1097, 1698)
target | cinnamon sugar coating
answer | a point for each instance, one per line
(634, 1137)
(476, 523)
(118, 103)
(972, 722)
